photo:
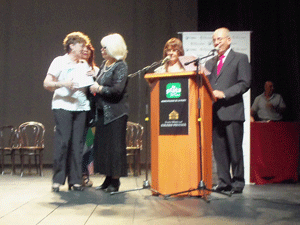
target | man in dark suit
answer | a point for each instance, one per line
(230, 78)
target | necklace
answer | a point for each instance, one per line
(107, 68)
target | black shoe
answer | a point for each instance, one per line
(114, 186)
(218, 188)
(236, 190)
(55, 187)
(105, 184)
(76, 188)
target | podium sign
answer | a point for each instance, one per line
(174, 106)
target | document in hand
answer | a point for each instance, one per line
(79, 75)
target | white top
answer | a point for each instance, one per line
(265, 112)
(63, 68)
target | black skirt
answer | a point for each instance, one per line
(110, 147)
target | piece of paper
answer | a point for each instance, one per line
(80, 77)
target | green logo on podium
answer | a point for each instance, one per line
(173, 90)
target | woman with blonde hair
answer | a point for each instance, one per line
(112, 108)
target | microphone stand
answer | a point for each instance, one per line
(146, 184)
(145, 69)
(196, 61)
(201, 185)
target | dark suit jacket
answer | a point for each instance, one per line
(234, 80)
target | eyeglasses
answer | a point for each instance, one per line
(218, 39)
(171, 50)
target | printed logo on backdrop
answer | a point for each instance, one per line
(174, 106)
(199, 44)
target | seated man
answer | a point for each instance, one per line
(268, 105)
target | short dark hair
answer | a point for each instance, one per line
(74, 38)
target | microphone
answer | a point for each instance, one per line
(216, 49)
(165, 60)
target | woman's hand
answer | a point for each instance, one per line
(69, 84)
(51, 83)
(95, 88)
(91, 73)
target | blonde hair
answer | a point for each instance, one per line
(115, 46)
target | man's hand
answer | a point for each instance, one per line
(219, 94)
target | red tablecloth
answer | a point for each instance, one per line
(274, 152)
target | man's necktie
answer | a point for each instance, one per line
(220, 64)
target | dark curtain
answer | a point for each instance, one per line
(274, 42)
(32, 33)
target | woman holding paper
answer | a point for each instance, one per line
(67, 78)
(112, 108)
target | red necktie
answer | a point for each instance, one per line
(220, 64)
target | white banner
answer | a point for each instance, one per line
(199, 44)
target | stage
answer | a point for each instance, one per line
(29, 200)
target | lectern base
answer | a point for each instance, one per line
(201, 187)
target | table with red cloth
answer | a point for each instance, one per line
(274, 152)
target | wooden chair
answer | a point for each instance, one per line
(134, 145)
(7, 137)
(31, 144)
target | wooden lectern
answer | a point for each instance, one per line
(179, 161)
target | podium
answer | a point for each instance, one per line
(181, 141)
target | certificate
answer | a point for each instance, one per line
(80, 77)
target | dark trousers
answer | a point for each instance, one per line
(68, 146)
(228, 151)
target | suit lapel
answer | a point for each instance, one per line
(214, 67)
